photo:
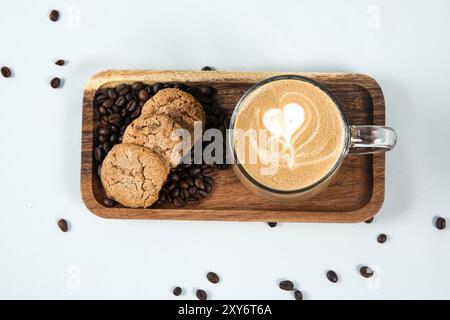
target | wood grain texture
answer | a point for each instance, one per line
(355, 194)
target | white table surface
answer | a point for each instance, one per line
(402, 44)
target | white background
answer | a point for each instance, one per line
(402, 44)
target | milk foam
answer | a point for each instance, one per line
(303, 128)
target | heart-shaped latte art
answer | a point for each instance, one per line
(284, 122)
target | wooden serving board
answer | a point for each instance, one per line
(355, 194)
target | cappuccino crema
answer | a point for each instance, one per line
(288, 134)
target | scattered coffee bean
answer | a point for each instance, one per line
(212, 277)
(62, 224)
(54, 15)
(298, 295)
(6, 72)
(272, 224)
(286, 285)
(368, 221)
(55, 82)
(441, 223)
(201, 294)
(109, 202)
(60, 62)
(177, 291)
(366, 272)
(332, 276)
(382, 238)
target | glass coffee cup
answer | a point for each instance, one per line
(289, 136)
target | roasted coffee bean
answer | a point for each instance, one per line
(369, 220)
(286, 285)
(440, 223)
(366, 272)
(115, 119)
(62, 224)
(193, 171)
(60, 62)
(108, 103)
(104, 119)
(163, 195)
(198, 182)
(272, 224)
(208, 68)
(136, 86)
(208, 187)
(131, 106)
(208, 91)
(212, 277)
(103, 131)
(114, 128)
(115, 109)
(382, 238)
(123, 89)
(298, 295)
(184, 194)
(332, 276)
(109, 202)
(174, 177)
(189, 181)
(200, 194)
(102, 138)
(208, 180)
(102, 110)
(143, 95)
(179, 202)
(168, 85)
(175, 192)
(192, 190)
(54, 15)
(170, 186)
(201, 294)
(183, 185)
(98, 154)
(55, 83)
(179, 86)
(136, 112)
(176, 291)
(100, 98)
(157, 86)
(149, 90)
(121, 101)
(113, 138)
(111, 93)
(106, 146)
(6, 72)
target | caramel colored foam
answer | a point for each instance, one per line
(304, 154)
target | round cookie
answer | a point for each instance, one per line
(159, 133)
(133, 175)
(179, 105)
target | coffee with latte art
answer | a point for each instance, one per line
(288, 134)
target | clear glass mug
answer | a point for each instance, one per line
(359, 140)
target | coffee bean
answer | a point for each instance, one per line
(109, 202)
(208, 68)
(102, 138)
(176, 291)
(60, 62)
(208, 91)
(286, 285)
(62, 224)
(100, 98)
(6, 72)
(102, 110)
(108, 103)
(192, 190)
(106, 146)
(178, 202)
(179, 86)
(157, 87)
(208, 180)
(115, 119)
(104, 119)
(184, 194)
(198, 181)
(103, 131)
(120, 102)
(123, 89)
(112, 94)
(143, 95)
(366, 272)
(136, 112)
(98, 154)
(272, 224)
(200, 194)
(298, 295)
(368, 221)
(382, 238)
(208, 187)
(201, 294)
(193, 171)
(131, 106)
(174, 177)
(332, 276)
(136, 86)
(212, 277)
(55, 82)
(189, 181)
(441, 223)
(175, 192)
(168, 85)
(54, 15)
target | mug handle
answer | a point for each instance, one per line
(371, 139)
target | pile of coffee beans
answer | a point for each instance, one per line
(115, 108)
(288, 285)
